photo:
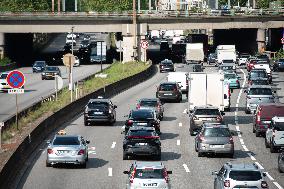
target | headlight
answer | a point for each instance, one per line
(43, 73)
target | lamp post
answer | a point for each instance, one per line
(134, 28)
(71, 66)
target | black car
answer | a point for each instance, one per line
(212, 58)
(100, 110)
(257, 73)
(142, 141)
(197, 68)
(167, 66)
(279, 65)
(169, 91)
(39, 66)
(142, 117)
(50, 72)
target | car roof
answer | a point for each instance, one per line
(148, 99)
(260, 86)
(99, 100)
(206, 107)
(148, 164)
(242, 166)
(215, 126)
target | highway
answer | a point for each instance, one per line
(105, 166)
(35, 88)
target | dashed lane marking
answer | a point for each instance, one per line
(258, 164)
(239, 135)
(277, 185)
(185, 111)
(110, 172)
(251, 157)
(186, 168)
(237, 128)
(245, 148)
(242, 141)
(113, 144)
(269, 176)
(180, 124)
(92, 150)
(178, 142)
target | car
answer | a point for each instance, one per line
(85, 44)
(99, 110)
(232, 79)
(141, 141)
(225, 67)
(197, 68)
(95, 58)
(166, 66)
(149, 103)
(39, 66)
(147, 174)
(77, 61)
(70, 149)
(228, 61)
(202, 114)
(257, 73)
(263, 115)
(281, 161)
(239, 175)
(258, 81)
(250, 63)
(4, 84)
(216, 139)
(86, 37)
(266, 66)
(263, 57)
(279, 64)
(212, 58)
(50, 72)
(143, 117)
(243, 59)
(258, 94)
(274, 138)
(169, 91)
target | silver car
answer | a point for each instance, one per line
(274, 137)
(216, 139)
(258, 94)
(149, 103)
(148, 175)
(239, 176)
(70, 149)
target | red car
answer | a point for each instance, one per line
(251, 64)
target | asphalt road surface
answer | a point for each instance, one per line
(105, 166)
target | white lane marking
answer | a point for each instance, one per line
(258, 164)
(110, 172)
(237, 105)
(269, 176)
(185, 111)
(242, 141)
(113, 144)
(251, 157)
(43, 152)
(237, 128)
(236, 123)
(236, 113)
(186, 168)
(277, 185)
(178, 142)
(245, 148)
(239, 135)
(180, 124)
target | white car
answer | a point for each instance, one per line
(263, 65)
(77, 61)
(275, 134)
(243, 59)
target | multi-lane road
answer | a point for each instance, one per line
(105, 166)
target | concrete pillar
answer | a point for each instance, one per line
(128, 51)
(142, 52)
(260, 39)
(2, 44)
(63, 6)
(76, 5)
(216, 4)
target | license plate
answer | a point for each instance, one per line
(141, 123)
(150, 184)
(216, 146)
(266, 122)
(167, 94)
(62, 151)
(98, 113)
(142, 144)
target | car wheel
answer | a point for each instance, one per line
(196, 150)
(84, 165)
(86, 123)
(257, 134)
(200, 154)
(253, 129)
(247, 111)
(279, 169)
(42, 78)
(272, 148)
(48, 164)
(87, 159)
(125, 156)
(191, 132)
(266, 143)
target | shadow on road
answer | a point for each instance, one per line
(165, 136)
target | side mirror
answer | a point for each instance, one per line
(222, 113)
(126, 172)
(115, 106)
(170, 172)
(87, 141)
(245, 91)
(264, 174)
(214, 173)
(48, 142)
(231, 90)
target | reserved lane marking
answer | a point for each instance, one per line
(113, 144)
(186, 168)
(269, 176)
(277, 185)
(180, 124)
(258, 164)
(178, 142)
(251, 156)
(110, 172)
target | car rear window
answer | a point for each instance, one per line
(258, 74)
(149, 173)
(260, 91)
(216, 132)
(167, 87)
(66, 141)
(259, 82)
(39, 63)
(148, 103)
(230, 76)
(98, 105)
(51, 68)
(279, 126)
(245, 175)
(141, 133)
(166, 63)
(207, 112)
(142, 114)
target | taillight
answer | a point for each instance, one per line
(273, 133)
(237, 81)
(49, 151)
(264, 184)
(219, 118)
(138, 106)
(159, 107)
(81, 152)
(227, 183)
(258, 117)
(166, 176)
(129, 122)
(231, 140)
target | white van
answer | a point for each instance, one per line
(227, 96)
(180, 78)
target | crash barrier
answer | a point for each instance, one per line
(18, 161)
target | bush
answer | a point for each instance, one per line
(280, 54)
(5, 61)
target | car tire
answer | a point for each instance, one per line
(191, 132)
(200, 154)
(272, 148)
(86, 123)
(125, 156)
(257, 134)
(42, 78)
(253, 129)
(195, 146)
(48, 164)
(247, 111)
(279, 169)
(266, 143)
(84, 165)
(87, 158)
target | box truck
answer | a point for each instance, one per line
(194, 53)
(226, 52)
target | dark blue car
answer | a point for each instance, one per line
(39, 66)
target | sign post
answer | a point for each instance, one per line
(68, 61)
(101, 50)
(16, 81)
(1, 125)
(144, 45)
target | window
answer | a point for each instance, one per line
(149, 173)
(216, 132)
(98, 105)
(167, 87)
(141, 133)
(279, 126)
(207, 112)
(260, 91)
(148, 103)
(245, 175)
(66, 141)
(142, 114)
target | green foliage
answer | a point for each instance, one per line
(5, 61)
(25, 5)
(280, 54)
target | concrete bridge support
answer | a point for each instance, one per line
(128, 48)
(260, 39)
(2, 45)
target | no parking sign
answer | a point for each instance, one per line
(16, 80)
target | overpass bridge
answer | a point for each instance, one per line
(40, 22)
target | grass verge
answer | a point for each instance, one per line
(115, 72)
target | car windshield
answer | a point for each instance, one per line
(258, 74)
(167, 63)
(245, 175)
(51, 68)
(149, 173)
(259, 82)
(216, 132)
(150, 103)
(245, 56)
(98, 105)
(142, 115)
(3, 76)
(281, 60)
(66, 141)
(260, 91)
(279, 126)
(39, 63)
(228, 61)
(230, 76)
(167, 87)
(141, 133)
(207, 112)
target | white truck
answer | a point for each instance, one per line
(226, 52)
(205, 89)
(194, 52)
(180, 78)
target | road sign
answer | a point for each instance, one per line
(68, 59)
(144, 44)
(101, 48)
(282, 40)
(16, 91)
(15, 79)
